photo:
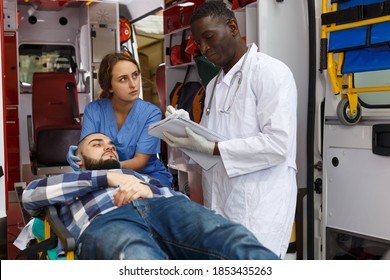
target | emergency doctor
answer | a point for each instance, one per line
(253, 103)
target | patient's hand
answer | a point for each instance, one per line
(131, 188)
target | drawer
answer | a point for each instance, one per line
(12, 144)
(11, 112)
(13, 162)
(12, 126)
(13, 177)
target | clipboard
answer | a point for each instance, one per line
(175, 125)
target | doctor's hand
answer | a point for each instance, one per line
(71, 158)
(193, 141)
(171, 110)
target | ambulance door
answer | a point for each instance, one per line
(3, 188)
(356, 162)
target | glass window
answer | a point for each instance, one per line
(44, 58)
(378, 99)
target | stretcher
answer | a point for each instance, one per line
(52, 239)
(355, 37)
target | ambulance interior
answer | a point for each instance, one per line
(343, 133)
(64, 39)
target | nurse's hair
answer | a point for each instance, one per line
(215, 8)
(105, 71)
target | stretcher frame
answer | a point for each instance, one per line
(349, 109)
(54, 226)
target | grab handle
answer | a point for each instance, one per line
(381, 139)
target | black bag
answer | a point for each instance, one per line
(189, 96)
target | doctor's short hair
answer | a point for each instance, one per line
(214, 8)
(105, 71)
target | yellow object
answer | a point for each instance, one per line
(348, 110)
(293, 237)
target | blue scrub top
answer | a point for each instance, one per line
(133, 137)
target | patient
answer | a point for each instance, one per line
(121, 214)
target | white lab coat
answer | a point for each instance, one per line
(255, 182)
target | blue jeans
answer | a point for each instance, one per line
(168, 228)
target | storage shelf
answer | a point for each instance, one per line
(178, 66)
(177, 30)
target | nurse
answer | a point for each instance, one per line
(124, 117)
(253, 103)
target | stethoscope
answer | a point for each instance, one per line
(237, 75)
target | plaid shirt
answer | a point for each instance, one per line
(81, 196)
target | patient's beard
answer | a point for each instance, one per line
(93, 164)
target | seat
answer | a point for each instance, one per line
(355, 38)
(55, 123)
(161, 91)
(160, 87)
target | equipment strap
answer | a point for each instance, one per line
(357, 13)
(71, 88)
(38, 247)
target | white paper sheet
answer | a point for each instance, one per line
(175, 125)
